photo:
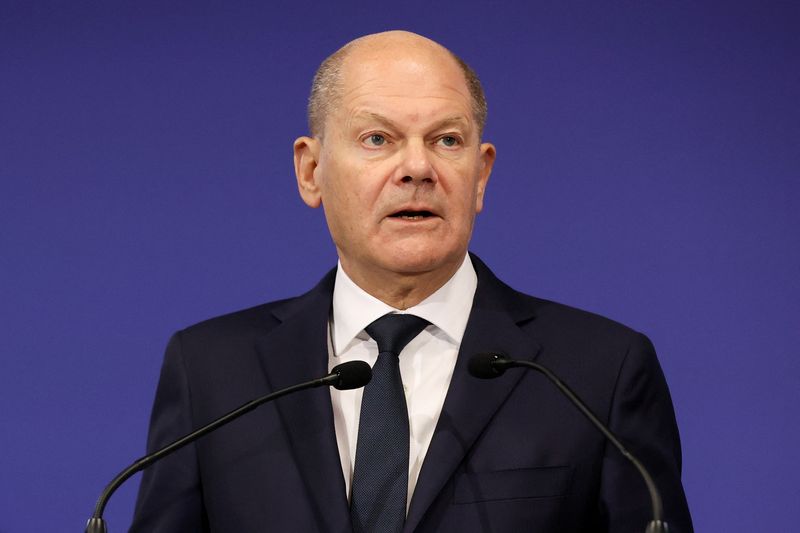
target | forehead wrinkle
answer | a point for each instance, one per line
(371, 100)
(371, 115)
(459, 121)
(364, 89)
(347, 91)
(453, 120)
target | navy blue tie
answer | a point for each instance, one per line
(380, 475)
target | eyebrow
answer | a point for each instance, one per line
(456, 120)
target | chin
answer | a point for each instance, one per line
(421, 261)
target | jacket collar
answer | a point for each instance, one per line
(494, 326)
(296, 351)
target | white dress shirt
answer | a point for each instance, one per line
(426, 363)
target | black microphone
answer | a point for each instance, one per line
(349, 375)
(490, 365)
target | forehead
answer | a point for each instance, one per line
(411, 81)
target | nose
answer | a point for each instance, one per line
(415, 165)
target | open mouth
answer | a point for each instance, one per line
(412, 215)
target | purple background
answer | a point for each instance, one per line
(647, 170)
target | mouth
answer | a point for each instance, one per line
(408, 214)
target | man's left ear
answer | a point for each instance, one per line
(306, 158)
(487, 157)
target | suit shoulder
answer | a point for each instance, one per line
(569, 329)
(589, 350)
(549, 320)
(259, 318)
(581, 319)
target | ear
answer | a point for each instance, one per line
(306, 158)
(486, 162)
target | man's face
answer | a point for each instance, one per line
(399, 171)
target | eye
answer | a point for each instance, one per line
(375, 139)
(449, 141)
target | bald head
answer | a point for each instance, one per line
(328, 85)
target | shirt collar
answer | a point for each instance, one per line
(448, 308)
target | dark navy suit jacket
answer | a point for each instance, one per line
(508, 455)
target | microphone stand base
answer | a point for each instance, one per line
(657, 526)
(96, 525)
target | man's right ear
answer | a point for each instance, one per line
(306, 158)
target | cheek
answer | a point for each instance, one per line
(366, 188)
(464, 191)
(457, 175)
(348, 207)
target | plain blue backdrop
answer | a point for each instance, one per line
(648, 166)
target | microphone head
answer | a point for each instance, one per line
(351, 375)
(482, 365)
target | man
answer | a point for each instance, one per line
(396, 161)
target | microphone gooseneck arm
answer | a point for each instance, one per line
(350, 375)
(490, 365)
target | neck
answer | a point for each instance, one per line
(401, 290)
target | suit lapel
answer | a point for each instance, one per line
(470, 404)
(297, 351)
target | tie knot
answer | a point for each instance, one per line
(392, 332)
